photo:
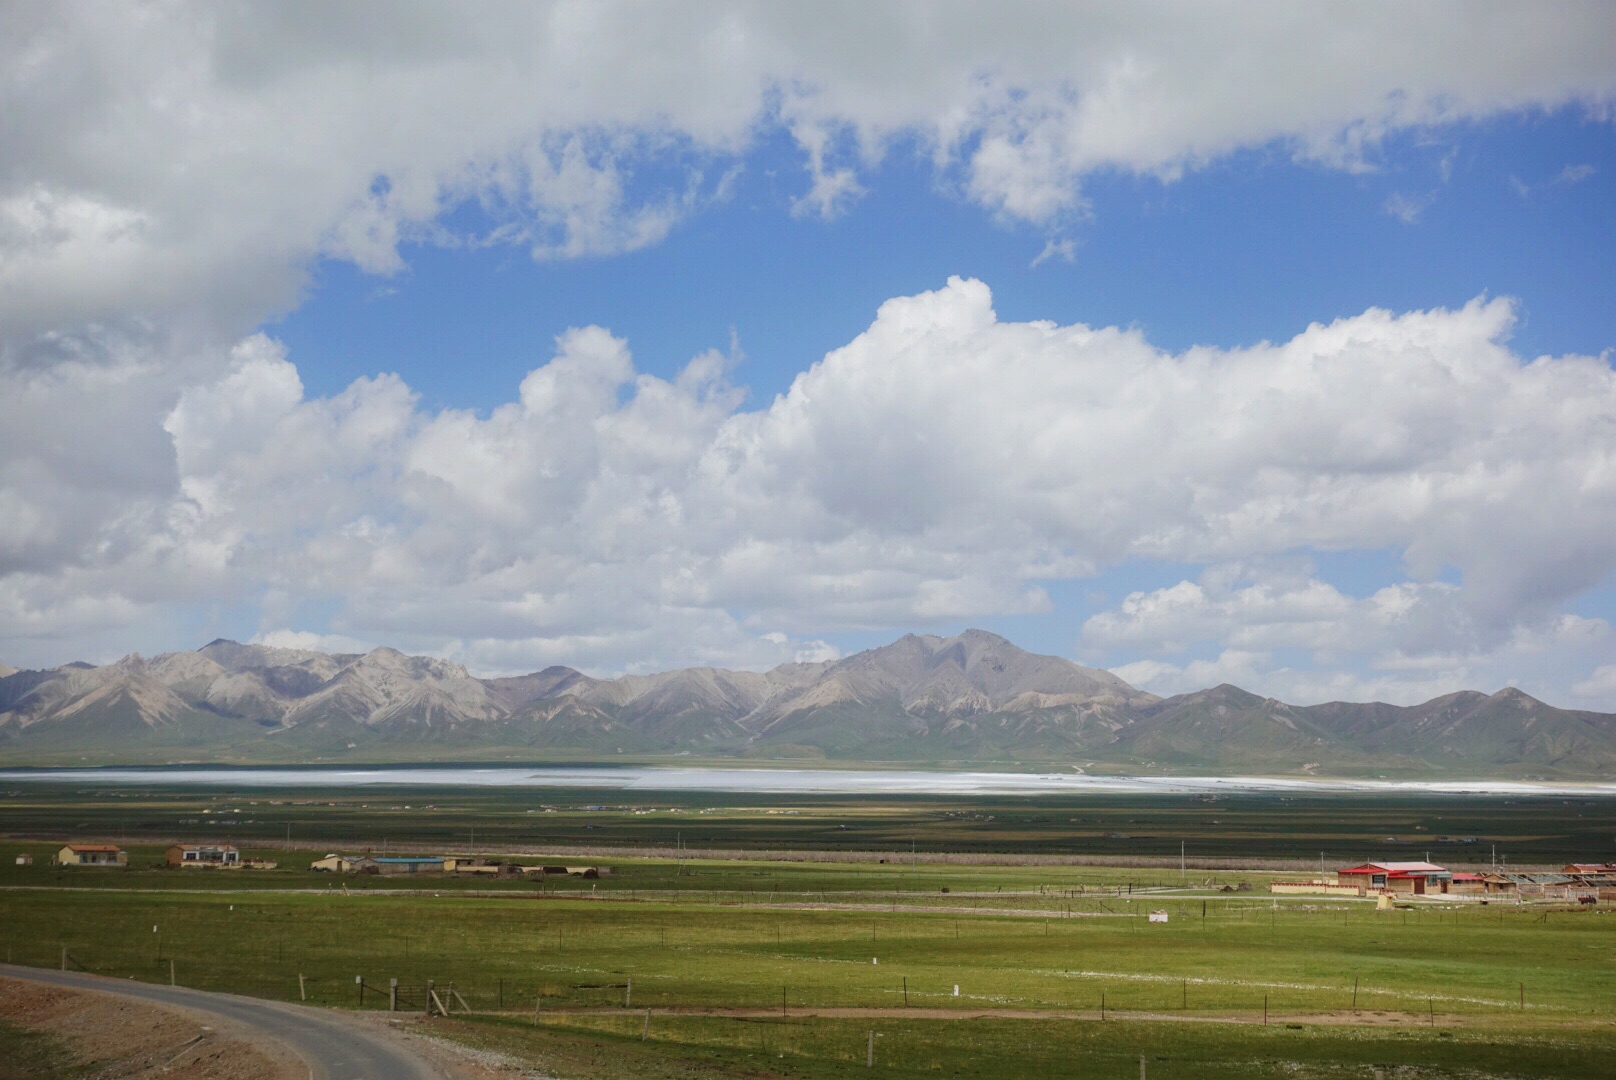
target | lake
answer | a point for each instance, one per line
(774, 781)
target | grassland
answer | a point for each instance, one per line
(852, 944)
(712, 947)
(1540, 829)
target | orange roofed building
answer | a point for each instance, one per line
(92, 855)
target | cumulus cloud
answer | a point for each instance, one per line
(187, 162)
(943, 466)
(1278, 627)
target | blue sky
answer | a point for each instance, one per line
(1250, 249)
(322, 319)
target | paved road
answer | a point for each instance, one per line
(333, 1049)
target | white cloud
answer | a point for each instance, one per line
(308, 640)
(941, 467)
(186, 162)
(1598, 687)
(1548, 661)
(1404, 643)
(1063, 248)
(1408, 208)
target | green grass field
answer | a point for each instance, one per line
(1524, 829)
(852, 943)
(1453, 991)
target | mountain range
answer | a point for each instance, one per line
(971, 698)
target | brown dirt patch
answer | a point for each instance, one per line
(115, 1038)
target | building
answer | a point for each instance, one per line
(92, 855)
(1496, 884)
(409, 864)
(345, 864)
(206, 856)
(1583, 868)
(470, 864)
(1315, 887)
(25, 860)
(1416, 878)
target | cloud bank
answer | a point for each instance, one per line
(174, 171)
(190, 160)
(944, 465)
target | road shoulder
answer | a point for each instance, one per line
(117, 1037)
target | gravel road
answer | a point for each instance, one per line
(332, 1048)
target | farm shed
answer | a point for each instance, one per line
(1316, 887)
(25, 860)
(408, 864)
(1498, 884)
(203, 855)
(1581, 868)
(462, 864)
(345, 864)
(1530, 884)
(1416, 878)
(92, 855)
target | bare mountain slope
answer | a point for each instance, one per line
(971, 697)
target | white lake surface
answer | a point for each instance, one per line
(777, 781)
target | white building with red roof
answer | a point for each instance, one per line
(1417, 878)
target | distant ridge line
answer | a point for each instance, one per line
(971, 697)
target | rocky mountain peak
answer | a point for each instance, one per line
(923, 697)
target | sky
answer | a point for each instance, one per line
(1255, 343)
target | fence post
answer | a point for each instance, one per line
(628, 993)
(64, 957)
(302, 988)
(392, 995)
(645, 1032)
(1141, 1067)
(869, 1051)
(171, 981)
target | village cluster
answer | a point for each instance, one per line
(1586, 883)
(229, 857)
